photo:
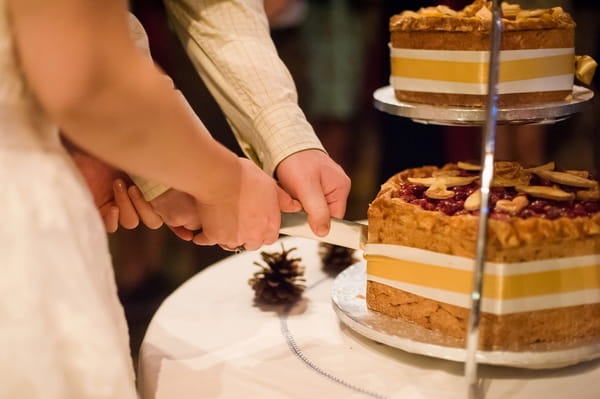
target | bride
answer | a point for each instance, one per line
(72, 63)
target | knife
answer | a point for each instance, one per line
(342, 232)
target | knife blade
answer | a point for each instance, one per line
(342, 232)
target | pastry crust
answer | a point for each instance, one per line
(511, 239)
(469, 41)
(559, 328)
(394, 221)
(474, 100)
(476, 17)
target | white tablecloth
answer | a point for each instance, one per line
(209, 340)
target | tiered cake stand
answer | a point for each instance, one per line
(549, 113)
(406, 336)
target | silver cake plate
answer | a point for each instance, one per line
(349, 303)
(547, 113)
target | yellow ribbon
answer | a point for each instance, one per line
(585, 67)
(477, 72)
(494, 286)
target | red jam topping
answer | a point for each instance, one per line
(537, 207)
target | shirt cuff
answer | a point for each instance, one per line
(150, 189)
(284, 131)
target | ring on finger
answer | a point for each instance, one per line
(239, 250)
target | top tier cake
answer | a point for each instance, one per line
(440, 56)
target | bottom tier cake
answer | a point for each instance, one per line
(542, 275)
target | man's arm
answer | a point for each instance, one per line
(230, 45)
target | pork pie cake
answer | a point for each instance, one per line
(542, 274)
(440, 56)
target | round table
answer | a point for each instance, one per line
(210, 340)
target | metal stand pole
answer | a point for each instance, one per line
(487, 155)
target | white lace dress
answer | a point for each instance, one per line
(62, 329)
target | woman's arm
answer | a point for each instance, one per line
(110, 100)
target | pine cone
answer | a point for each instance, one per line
(281, 280)
(335, 258)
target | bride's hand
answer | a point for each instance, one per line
(179, 211)
(244, 211)
(117, 203)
